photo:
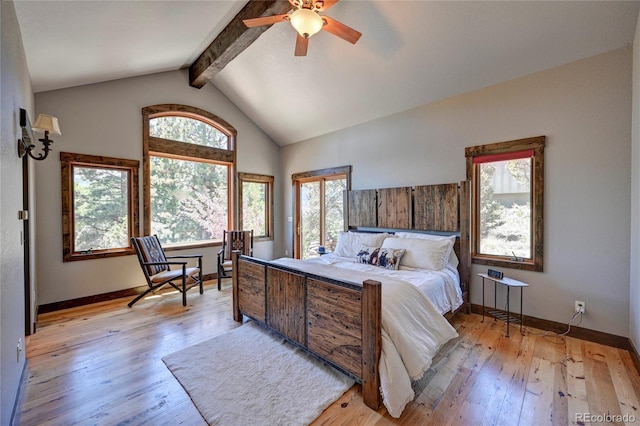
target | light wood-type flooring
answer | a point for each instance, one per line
(101, 365)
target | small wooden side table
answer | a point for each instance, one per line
(495, 313)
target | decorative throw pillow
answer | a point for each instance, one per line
(366, 253)
(390, 258)
(382, 257)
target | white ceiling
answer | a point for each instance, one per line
(411, 53)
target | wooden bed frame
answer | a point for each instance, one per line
(339, 321)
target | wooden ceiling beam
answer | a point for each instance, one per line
(233, 40)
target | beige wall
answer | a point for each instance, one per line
(584, 109)
(634, 293)
(15, 93)
(105, 119)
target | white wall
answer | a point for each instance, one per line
(106, 119)
(15, 93)
(584, 109)
(634, 293)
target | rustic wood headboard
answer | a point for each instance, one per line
(443, 208)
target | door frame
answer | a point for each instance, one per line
(29, 325)
(316, 175)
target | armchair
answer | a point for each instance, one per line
(157, 268)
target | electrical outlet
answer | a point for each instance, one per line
(580, 307)
(286, 252)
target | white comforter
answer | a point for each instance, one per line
(412, 330)
(442, 287)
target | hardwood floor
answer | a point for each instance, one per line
(101, 364)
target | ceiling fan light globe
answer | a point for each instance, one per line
(306, 22)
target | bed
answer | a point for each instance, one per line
(332, 306)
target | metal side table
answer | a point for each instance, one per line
(501, 315)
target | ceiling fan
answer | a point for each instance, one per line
(307, 21)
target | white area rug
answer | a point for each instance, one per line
(249, 376)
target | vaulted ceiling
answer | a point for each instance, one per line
(411, 53)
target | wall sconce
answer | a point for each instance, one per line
(44, 124)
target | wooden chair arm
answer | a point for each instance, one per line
(186, 256)
(163, 263)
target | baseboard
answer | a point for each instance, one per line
(104, 297)
(15, 412)
(634, 356)
(577, 332)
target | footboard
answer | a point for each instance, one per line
(338, 322)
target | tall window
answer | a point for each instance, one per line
(99, 206)
(189, 158)
(319, 209)
(508, 187)
(256, 204)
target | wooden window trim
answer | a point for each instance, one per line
(190, 152)
(326, 173)
(269, 181)
(67, 161)
(536, 144)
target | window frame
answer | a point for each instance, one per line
(269, 220)
(154, 146)
(68, 161)
(536, 144)
(321, 175)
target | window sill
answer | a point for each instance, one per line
(96, 255)
(257, 239)
(186, 246)
(526, 265)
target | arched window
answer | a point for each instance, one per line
(189, 162)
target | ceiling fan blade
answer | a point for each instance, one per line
(322, 5)
(301, 46)
(341, 30)
(265, 20)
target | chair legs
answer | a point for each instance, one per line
(221, 274)
(140, 296)
(200, 276)
(147, 291)
(184, 285)
(181, 288)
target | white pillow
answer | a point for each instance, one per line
(422, 253)
(349, 243)
(453, 259)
